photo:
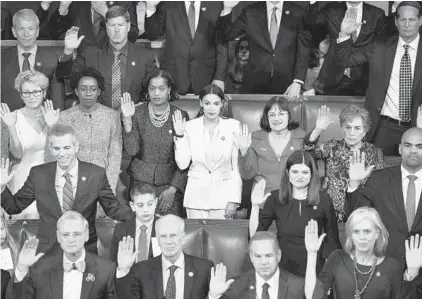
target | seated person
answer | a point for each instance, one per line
(234, 73)
(141, 227)
(75, 273)
(9, 248)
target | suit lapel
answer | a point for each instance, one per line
(150, 253)
(39, 60)
(157, 277)
(102, 61)
(396, 185)
(418, 215)
(181, 8)
(418, 69)
(252, 292)
(89, 275)
(199, 131)
(203, 20)
(52, 189)
(56, 278)
(190, 275)
(14, 66)
(261, 19)
(283, 286)
(83, 176)
(389, 60)
(132, 60)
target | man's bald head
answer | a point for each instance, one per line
(411, 133)
(411, 149)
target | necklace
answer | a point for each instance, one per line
(24, 111)
(358, 292)
(158, 121)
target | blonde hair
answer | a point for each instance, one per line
(33, 77)
(26, 14)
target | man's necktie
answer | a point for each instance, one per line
(405, 86)
(116, 83)
(265, 294)
(354, 33)
(68, 198)
(171, 284)
(191, 18)
(411, 201)
(273, 27)
(142, 244)
(79, 266)
(25, 65)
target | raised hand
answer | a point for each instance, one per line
(8, 117)
(312, 241)
(127, 106)
(126, 255)
(218, 284)
(357, 170)
(419, 117)
(51, 116)
(151, 4)
(5, 175)
(64, 6)
(179, 123)
(28, 256)
(414, 253)
(244, 138)
(71, 40)
(349, 24)
(324, 119)
(258, 195)
(99, 7)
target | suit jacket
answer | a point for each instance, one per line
(45, 62)
(124, 229)
(45, 279)
(331, 15)
(145, 279)
(5, 278)
(6, 24)
(290, 287)
(80, 15)
(381, 58)
(191, 61)
(210, 186)
(289, 59)
(412, 289)
(139, 61)
(92, 188)
(383, 191)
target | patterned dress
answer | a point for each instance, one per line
(336, 156)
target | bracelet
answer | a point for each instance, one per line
(127, 121)
(179, 136)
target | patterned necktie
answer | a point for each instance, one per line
(354, 33)
(25, 65)
(191, 18)
(273, 27)
(405, 86)
(68, 198)
(116, 90)
(171, 284)
(265, 294)
(411, 201)
(142, 244)
(79, 266)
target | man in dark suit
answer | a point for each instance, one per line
(171, 275)
(267, 280)
(192, 53)
(75, 273)
(123, 65)
(278, 46)
(394, 192)
(395, 69)
(141, 227)
(333, 78)
(27, 55)
(64, 185)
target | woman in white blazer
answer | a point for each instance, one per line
(208, 146)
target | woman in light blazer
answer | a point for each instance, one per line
(208, 146)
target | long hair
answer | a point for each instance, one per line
(286, 188)
(10, 242)
(235, 69)
(225, 111)
(283, 105)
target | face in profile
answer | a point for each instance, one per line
(353, 131)
(212, 105)
(117, 30)
(278, 119)
(364, 236)
(300, 175)
(265, 258)
(144, 207)
(32, 95)
(26, 32)
(64, 149)
(324, 45)
(170, 237)
(88, 92)
(158, 91)
(72, 236)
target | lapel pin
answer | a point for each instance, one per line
(203, 8)
(190, 274)
(38, 63)
(315, 207)
(292, 148)
(223, 138)
(90, 277)
(251, 288)
(170, 131)
(83, 178)
(287, 12)
(133, 63)
(73, 120)
(263, 149)
(378, 274)
(364, 21)
(111, 2)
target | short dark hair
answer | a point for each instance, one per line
(86, 71)
(411, 4)
(141, 189)
(160, 73)
(264, 236)
(300, 157)
(282, 104)
(117, 11)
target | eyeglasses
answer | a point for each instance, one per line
(91, 90)
(272, 114)
(75, 235)
(35, 93)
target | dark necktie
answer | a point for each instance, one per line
(171, 284)
(405, 86)
(354, 33)
(273, 27)
(25, 65)
(79, 266)
(265, 294)
(96, 24)
(116, 90)
(67, 193)
(411, 201)
(191, 18)
(142, 244)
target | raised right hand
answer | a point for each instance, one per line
(28, 256)
(257, 196)
(349, 24)
(71, 40)
(312, 241)
(151, 4)
(5, 176)
(8, 117)
(357, 170)
(324, 118)
(126, 255)
(126, 105)
(179, 123)
(51, 116)
(218, 284)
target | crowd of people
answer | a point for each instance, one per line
(353, 230)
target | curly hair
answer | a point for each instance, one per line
(33, 77)
(87, 71)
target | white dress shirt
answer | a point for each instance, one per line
(61, 180)
(278, 13)
(72, 280)
(391, 103)
(31, 57)
(6, 260)
(179, 274)
(212, 153)
(405, 185)
(138, 232)
(273, 283)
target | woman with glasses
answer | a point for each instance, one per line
(27, 131)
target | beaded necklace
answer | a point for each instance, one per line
(160, 120)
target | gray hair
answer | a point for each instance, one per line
(353, 111)
(72, 215)
(33, 77)
(170, 218)
(25, 14)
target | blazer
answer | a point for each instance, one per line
(289, 59)
(381, 58)
(192, 61)
(210, 186)
(145, 279)
(139, 61)
(124, 229)
(92, 188)
(331, 16)
(412, 289)
(383, 191)
(45, 279)
(45, 62)
(5, 279)
(290, 287)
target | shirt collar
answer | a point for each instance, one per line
(139, 223)
(73, 171)
(273, 281)
(123, 50)
(180, 263)
(413, 44)
(405, 173)
(187, 3)
(80, 259)
(358, 7)
(270, 6)
(33, 51)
